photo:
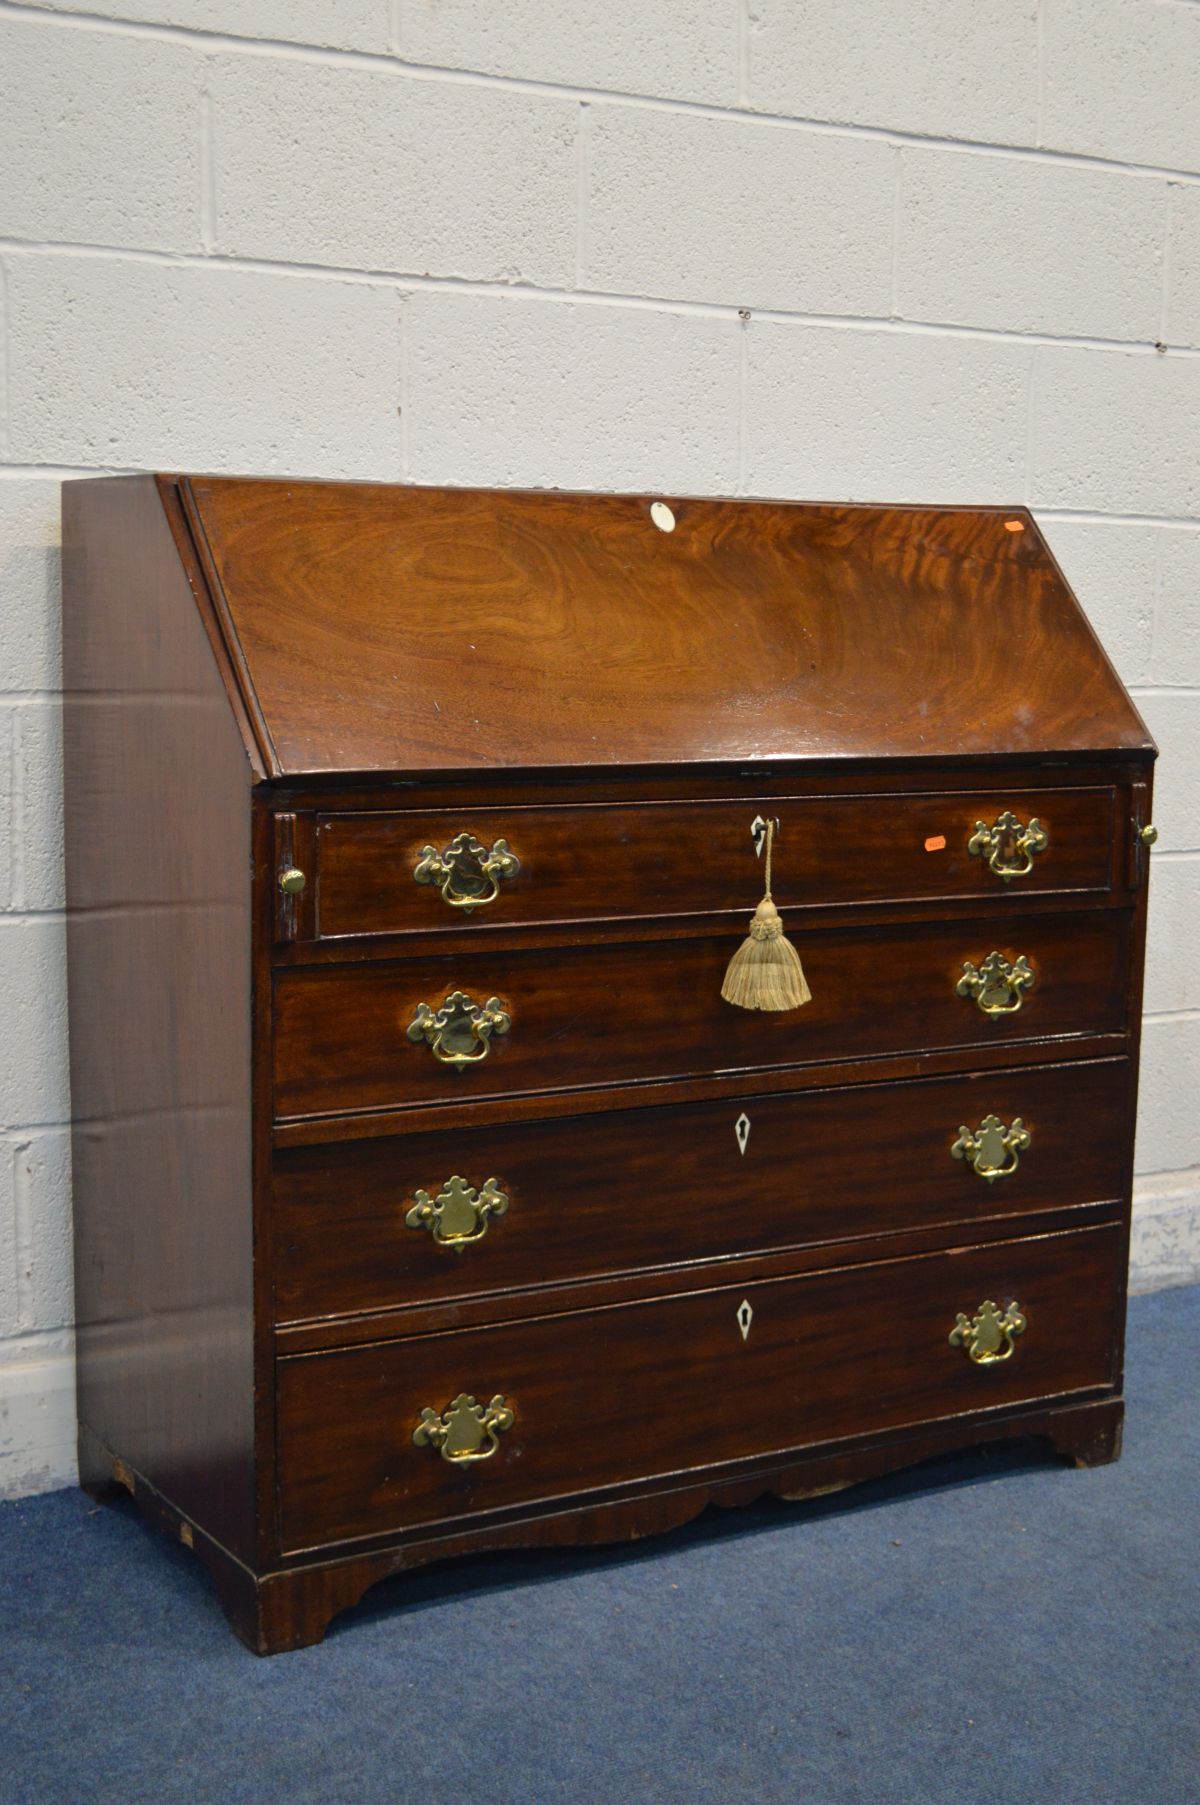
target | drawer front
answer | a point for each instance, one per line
(365, 1225)
(673, 858)
(611, 1014)
(684, 1383)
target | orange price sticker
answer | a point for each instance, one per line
(936, 843)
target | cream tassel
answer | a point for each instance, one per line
(765, 972)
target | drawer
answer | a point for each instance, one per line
(685, 1382)
(677, 858)
(366, 1225)
(614, 1014)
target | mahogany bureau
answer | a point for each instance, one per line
(429, 1197)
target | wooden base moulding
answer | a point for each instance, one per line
(293, 1607)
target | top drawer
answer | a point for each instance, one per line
(396, 873)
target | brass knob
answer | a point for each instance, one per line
(1008, 846)
(466, 873)
(988, 1337)
(1148, 834)
(460, 1031)
(467, 1431)
(292, 881)
(998, 987)
(459, 1213)
(992, 1148)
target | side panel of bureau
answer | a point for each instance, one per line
(599, 1398)
(588, 1195)
(616, 1013)
(159, 950)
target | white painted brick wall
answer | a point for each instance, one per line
(100, 137)
(964, 69)
(1120, 79)
(732, 211)
(854, 413)
(508, 390)
(688, 49)
(1115, 431)
(120, 361)
(997, 241)
(462, 241)
(319, 163)
(342, 24)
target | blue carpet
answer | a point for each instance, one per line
(995, 1628)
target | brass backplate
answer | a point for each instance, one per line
(460, 1032)
(1008, 846)
(466, 874)
(987, 1338)
(992, 1149)
(459, 1214)
(998, 987)
(467, 1431)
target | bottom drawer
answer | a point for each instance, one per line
(602, 1397)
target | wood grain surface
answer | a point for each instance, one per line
(678, 1386)
(598, 863)
(622, 1013)
(158, 950)
(383, 628)
(663, 1188)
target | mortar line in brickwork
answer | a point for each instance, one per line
(1165, 304)
(1030, 424)
(57, 1343)
(1155, 601)
(1041, 71)
(743, 393)
(897, 201)
(526, 291)
(25, 1239)
(9, 759)
(403, 329)
(583, 171)
(208, 170)
(285, 51)
(1101, 517)
(65, 472)
(18, 836)
(5, 436)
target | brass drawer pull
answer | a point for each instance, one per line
(459, 1213)
(460, 1031)
(1009, 847)
(466, 1431)
(992, 1149)
(466, 873)
(998, 987)
(988, 1338)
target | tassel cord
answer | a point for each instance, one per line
(765, 972)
